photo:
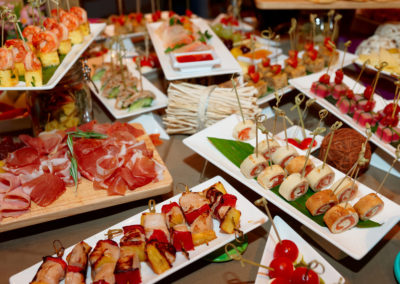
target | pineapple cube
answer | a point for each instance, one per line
(158, 261)
(85, 29)
(20, 68)
(8, 78)
(65, 46)
(49, 59)
(34, 78)
(231, 221)
(76, 36)
(203, 237)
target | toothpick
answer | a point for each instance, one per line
(277, 39)
(309, 103)
(269, 149)
(378, 73)
(48, 8)
(346, 47)
(330, 16)
(335, 26)
(256, 123)
(152, 206)
(119, 8)
(331, 58)
(298, 100)
(237, 97)
(278, 100)
(170, 5)
(252, 47)
(291, 32)
(158, 5)
(138, 6)
(237, 256)
(322, 114)
(361, 72)
(396, 98)
(188, 4)
(317, 131)
(282, 114)
(152, 6)
(263, 202)
(146, 44)
(268, 34)
(352, 169)
(67, 1)
(334, 127)
(138, 64)
(390, 169)
(312, 21)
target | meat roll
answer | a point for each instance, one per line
(344, 189)
(320, 177)
(293, 187)
(283, 155)
(271, 176)
(340, 218)
(244, 130)
(264, 150)
(253, 165)
(321, 201)
(368, 206)
(296, 165)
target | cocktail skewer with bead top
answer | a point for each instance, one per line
(298, 101)
(278, 100)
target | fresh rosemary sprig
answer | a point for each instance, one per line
(88, 134)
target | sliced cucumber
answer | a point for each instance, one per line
(97, 76)
(140, 103)
(113, 93)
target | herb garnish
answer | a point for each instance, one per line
(204, 36)
(175, 21)
(176, 46)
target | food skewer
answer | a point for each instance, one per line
(323, 113)
(336, 20)
(278, 100)
(282, 114)
(309, 103)
(317, 131)
(361, 72)
(396, 98)
(312, 21)
(263, 202)
(237, 256)
(334, 127)
(298, 101)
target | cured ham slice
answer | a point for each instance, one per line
(45, 189)
(23, 157)
(46, 142)
(118, 126)
(8, 182)
(14, 203)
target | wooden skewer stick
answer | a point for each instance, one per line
(278, 100)
(268, 34)
(334, 127)
(113, 233)
(152, 206)
(292, 34)
(309, 103)
(158, 7)
(252, 48)
(67, 1)
(361, 72)
(396, 98)
(169, 5)
(312, 21)
(346, 47)
(146, 45)
(347, 175)
(237, 256)
(58, 248)
(120, 9)
(152, 6)
(390, 169)
(263, 202)
(336, 26)
(331, 13)
(139, 65)
(322, 114)
(259, 118)
(378, 73)
(138, 6)
(333, 45)
(237, 97)
(265, 131)
(317, 131)
(298, 101)
(282, 114)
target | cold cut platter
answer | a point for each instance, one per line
(367, 237)
(95, 161)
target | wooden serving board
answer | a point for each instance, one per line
(87, 199)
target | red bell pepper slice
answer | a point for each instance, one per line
(226, 200)
(58, 260)
(168, 207)
(133, 228)
(182, 239)
(131, 277)
(72, 268)
(191, 216)
(159, 236)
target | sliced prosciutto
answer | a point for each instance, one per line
(8, 182)
(45, 189)
(23, 157)
(46, 142)
(14, 203)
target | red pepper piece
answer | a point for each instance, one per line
(226, 200)
(255, 77)
(293, 53)
(309, 46)
(58, 260)
(251, 69)
(313, 54)
(101, 282)
(131, 277)
(368, 92)
(306, 143)
(293, 142)
(182, 239)
(12, 113)
(293, 61)
(266, 62)
(349, 94)
(168, 207)
(188, 13)
(139, 17)
(133, 228)
(327, 43)
(72, 268)
(159, 236)
(276, 69)
(191, 216)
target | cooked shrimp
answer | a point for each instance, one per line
(80, 13)
(46, 41)
(6, 59)
(59, 29)
(30, 31)
(18, 49)
(54, 13)
(70, 20)
(31, 62)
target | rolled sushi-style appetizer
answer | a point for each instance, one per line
(321, 201)
(244, 130)
(271, 176)
(340, 218)
(253, 165)
(293, 187)
(320, 177)
(266, 151)
(296, 165)
(283, 155)
(368, 206)
(345, 189)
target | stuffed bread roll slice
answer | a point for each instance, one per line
(293, 187)
(244, 130)
(344, 189)
(253, 165)
(368, 206)
(283, 155)
(264, 150)
(321, 201)
(296, 165)
(271, 176)
(52, 271)
(320, 177)
(340, 218)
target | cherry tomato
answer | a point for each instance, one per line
(280, 280)
(276, 69)
(139, 17)
(324, 79)
(309, 46)
(304, 275)
(293, 61)
(369, 106)
(293, 53)
(313, 54)
(349, 94)
(327, 44)
(287, 248)
(255, 76)
(339, 76)
(368, 92)
(188, 13)
(283, 267)
(251, 69)
(388, 110)
(266, 61)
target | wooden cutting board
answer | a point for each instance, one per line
(87, 199)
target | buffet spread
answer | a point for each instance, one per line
(73, 164)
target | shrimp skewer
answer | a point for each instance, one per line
(71, 21)
(8, 76)
(47, 43)
(83, 20)
(19, 50)
(33, 70)
(61, 32)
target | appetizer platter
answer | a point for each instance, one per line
(329, 274)
(70, 58)
(228, 64)
(367, 237)
(70, 192)
(150, 271)
(304, 85)
(115, 100)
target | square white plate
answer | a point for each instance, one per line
(160, 101)
(296, 133)
(366, 238)
(228, 63)
(66, 64)
(304, 85)
(330, 275)
(251, 218)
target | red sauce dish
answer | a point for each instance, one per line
(194, 57)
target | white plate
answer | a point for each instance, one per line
(160, 101)
(304, 85)
(228, 63)
(195, 66)
(251, 218)
(366, 238)
(370, 67)
(330, 275)
(66, 64)
(296, 133)
(109, 32)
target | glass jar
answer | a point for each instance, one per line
(67, 105)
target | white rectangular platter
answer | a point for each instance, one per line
(251, 218)
(366, 238)
(160, 100)
(329, 275)
(228, 63)
(66, 64)
(303, 84)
